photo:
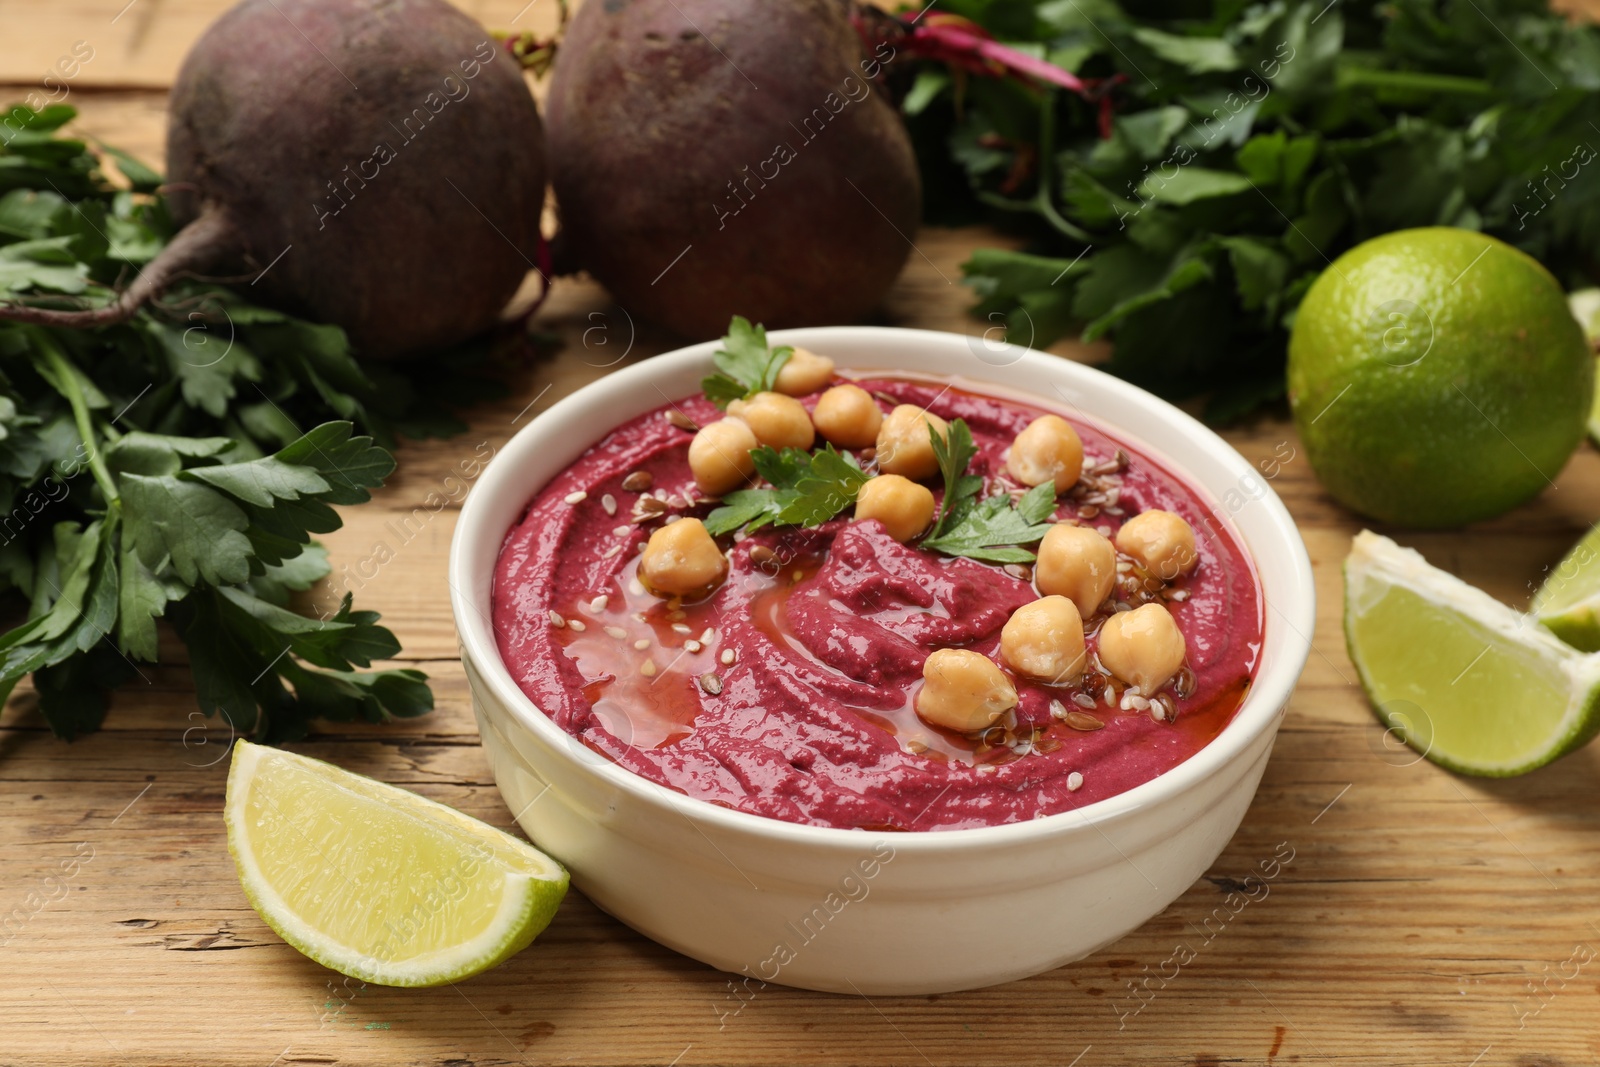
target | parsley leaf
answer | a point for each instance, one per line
(993, 529)
(828, 486)
(954, 451)
(746, 364)
(807, 490)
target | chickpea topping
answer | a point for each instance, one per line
(803, 373)
(963, 690)
(904, 446)
(719, 456)
(1162, 543)
(1077, 563)
(777, 421)
(1143, 647)
(1044, 641)
(904, 507)
(681, 559)
(1047, 449)
(848, 416)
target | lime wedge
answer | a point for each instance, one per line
(378, 883)
(1568, 602)
(1466, 681)
(1585, 305)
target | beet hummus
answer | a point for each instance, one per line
(790, 691)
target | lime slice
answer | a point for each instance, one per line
(1569, 600)
(1460, 677)
(378, 883)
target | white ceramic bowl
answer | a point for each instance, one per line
(862, 911)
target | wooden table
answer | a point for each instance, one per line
(1424, 918)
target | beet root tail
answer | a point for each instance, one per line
(207, 240)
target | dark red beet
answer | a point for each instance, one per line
(396, 164)
(763, 149)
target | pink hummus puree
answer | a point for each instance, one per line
(814, 720)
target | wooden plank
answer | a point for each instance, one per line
(60, 48)
(1424, 919)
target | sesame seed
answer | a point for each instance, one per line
(609, 502)
(648, 668)
(1058, 710)
(618, 632)
(682, 628)
(727, 657)
(642, 644)
(1103, 530)
(691, 646)
(1074, 782)
(620, 531)
(612, 551)
(576, 498)
(635, 587)
(598, 604)
(556, 620)
(986, 768)
(677, 614)
(576, 625)
(1083, 700)
(705, 638)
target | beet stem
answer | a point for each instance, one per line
(206, 240)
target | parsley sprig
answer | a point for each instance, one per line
(992, 529)
(746, 364)
(159, 469)
(808, 489)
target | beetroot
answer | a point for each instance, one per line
(377, 164)
(763, 155)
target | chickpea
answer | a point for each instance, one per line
(681, 559)
(803, 373)
(904, 446)
(1077, 563)
(904, 507)
(1047, 449)
(1143, 647)
(719, 456)
(777, 421)
(1044, 641)
(848, 416)
(963, 690)
(1162, 543)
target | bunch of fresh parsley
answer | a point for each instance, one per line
(160, 469)
(1251, 144)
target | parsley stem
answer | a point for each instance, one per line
(63, 376)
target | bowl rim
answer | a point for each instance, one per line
(1263, 707)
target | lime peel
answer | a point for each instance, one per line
(1471, 684)
(376, 882)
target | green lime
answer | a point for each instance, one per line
(1568, 602)
(1463, 679)
(1585, 304)
(378, 883)
(1437, 377)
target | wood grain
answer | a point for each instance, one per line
(1416, 913)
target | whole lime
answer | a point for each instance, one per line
(1437, 377)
